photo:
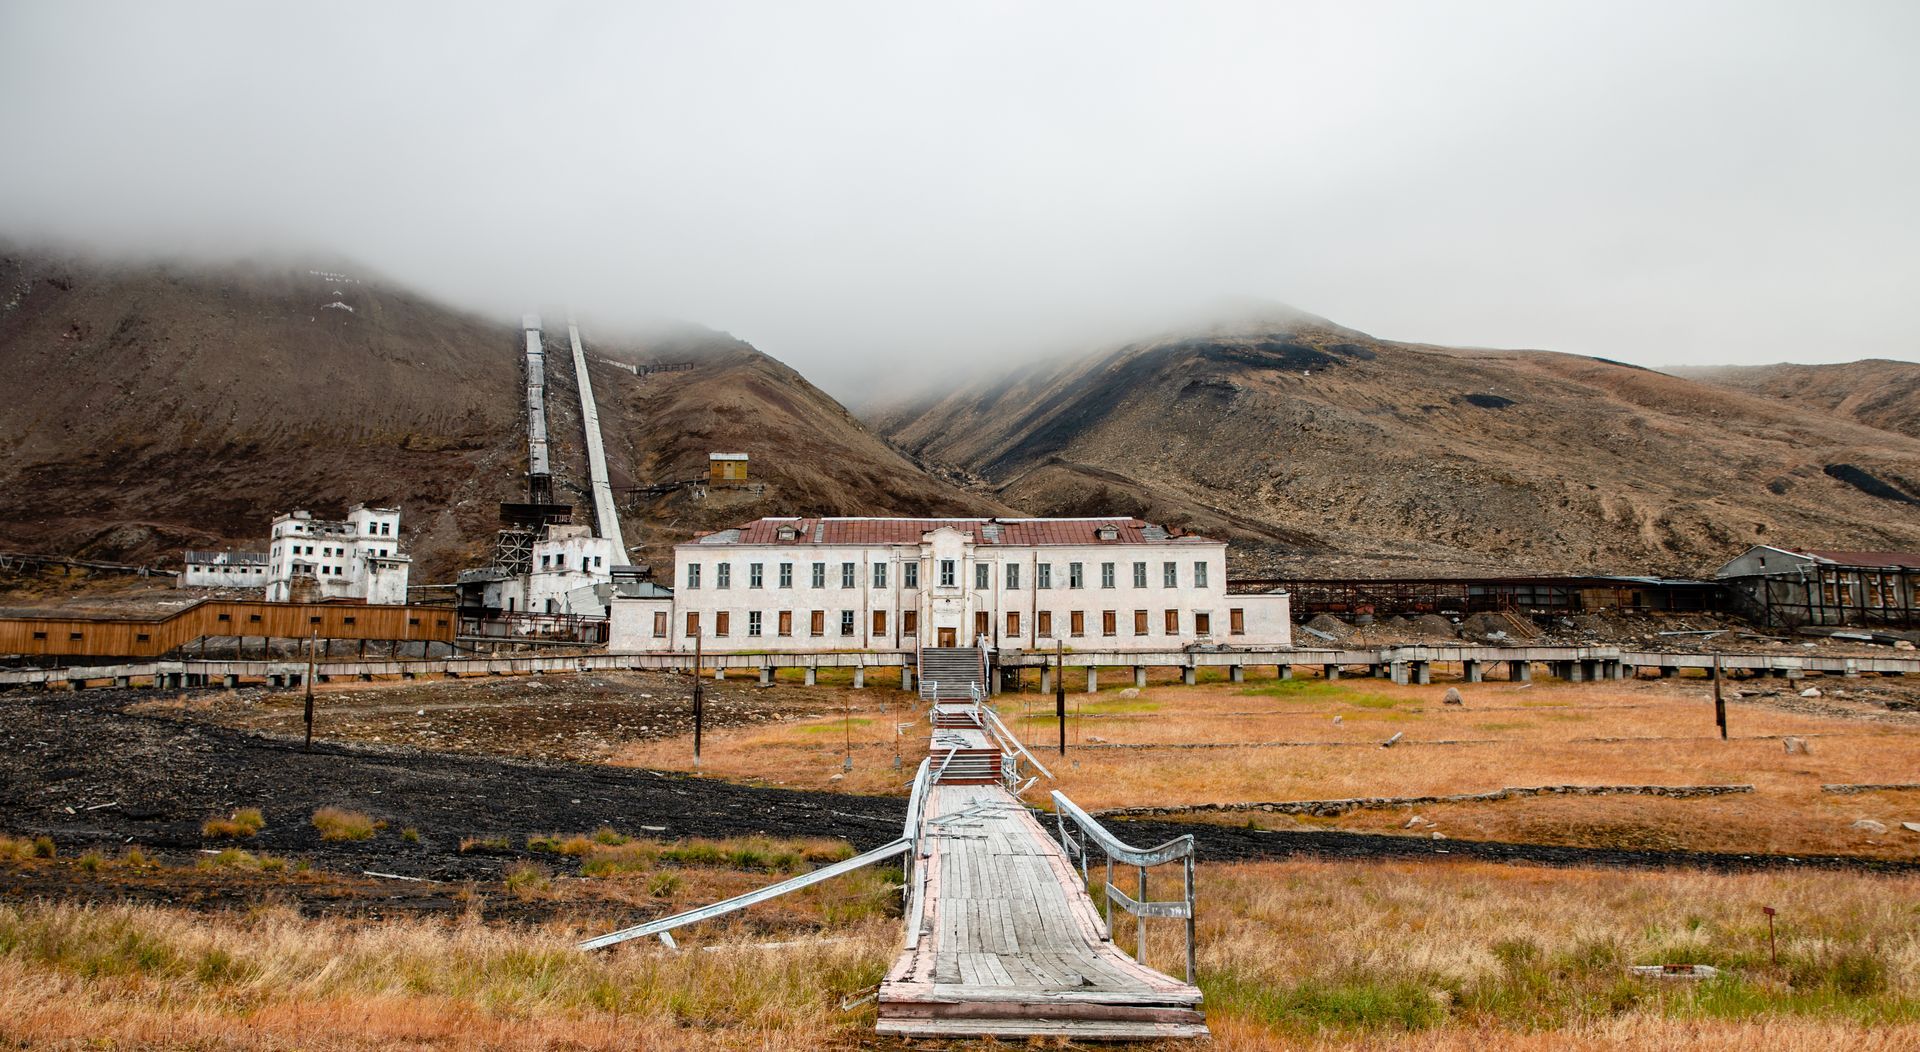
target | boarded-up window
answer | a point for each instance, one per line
(1013, 623)
(693, 624)
(879, 622)
(659, 624)
(982, 624)
(1078, 620)
(1202, 624)
(786, 622)
(817, 622)
(1139, 622)
(1237, 621)
(1109, 623)
(1044, 625)
(1173, 622)
(721, 621)
(910, 622)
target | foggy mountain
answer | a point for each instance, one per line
(1337, 451)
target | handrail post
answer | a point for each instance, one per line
(1140, 922)
(1192, 962)
(1104, 894)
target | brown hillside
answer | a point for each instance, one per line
(159, 407)
(1876, 392)
(1343, 452)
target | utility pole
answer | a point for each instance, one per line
(1719, 703)
(311, 640)
(1060, 691)
(699, 703)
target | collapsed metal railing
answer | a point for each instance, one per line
(1179, 849)
(908, 844)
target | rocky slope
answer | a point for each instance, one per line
(1876, 392)
(156, 407)
(1337, 452)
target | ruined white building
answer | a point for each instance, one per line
(355, 558)
(229, 569)
(902, 584)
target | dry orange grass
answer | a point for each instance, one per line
(1552, 733)
(1444, 957)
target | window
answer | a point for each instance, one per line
(819, 575)
(229, 617)
(73, 637)
(786, 622)
(910, 622)
(560, 563)
(39, 635)
(982, 576)
(879, 575)
(1173, 622)
(817, 623)
(1106, 575)
(753, 622)
(1109, 623)
(1169, 575)
(1202, 624)
(1139, 622)
(879, 622)
(786, 575)
(846, 622)
(1200, 574)
(1043, 623)
(693, 575)
(910, 575)
(1076, 575)
(1078, 623)
(255, 619)
(348, 620)
(1139, 575)
(722, 620)
(755, 575)
(982, 623)
(659, 624)
(723, 575)
(1013, 624)
(846, 575)
(1013, 576)
(946, 573)
(1043, 575)
(693, 624)
(1237, 622)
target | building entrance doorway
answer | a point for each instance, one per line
(947, 637)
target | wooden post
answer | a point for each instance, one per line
(699, 702)
(1140, 920)
(1060, 691)
(1719, 703)
(311, 639)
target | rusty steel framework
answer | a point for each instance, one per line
(1831, 595)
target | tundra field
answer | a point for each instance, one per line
(178, 873)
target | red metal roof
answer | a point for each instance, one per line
(856, 531)
(1846, 558)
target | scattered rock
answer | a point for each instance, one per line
(1901, 644)
(1453, 697)
(1868, 825)
(1911, 827)
(1796, 746)
(1416, 820)
(1810, 692)
(1338, 719)
(1130, 692)
(1437, 835)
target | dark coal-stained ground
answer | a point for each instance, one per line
(63, 756)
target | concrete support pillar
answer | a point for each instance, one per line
(1471, 671)
(1851, 672)
(1093, 680)
(719, 672)
(766, 675)
(1669, 671)
(906, 677)
(230, 681)
(1397, 671)
(1237, 673)
(860, 677)
(1381, 671)
(1332, 672)
(1520, 671)
(1283, 672)
(1140, 675)
(123, 681)
(1046, 680)
(1576, 672)
(813, 675)
(1422, 672)
(1792, 673)
(1189, 675)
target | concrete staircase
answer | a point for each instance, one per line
(950, 673)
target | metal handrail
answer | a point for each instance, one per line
(915, 880)
(1179, 849)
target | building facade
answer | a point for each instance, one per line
(358, 557)
(224, 570)
(798, 584)
(1784, 588)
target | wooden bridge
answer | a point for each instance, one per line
(1001, 937)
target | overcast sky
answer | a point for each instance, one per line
(890, 188)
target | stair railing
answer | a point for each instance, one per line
(1178, 849)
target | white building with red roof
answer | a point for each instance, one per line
(893, 584)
